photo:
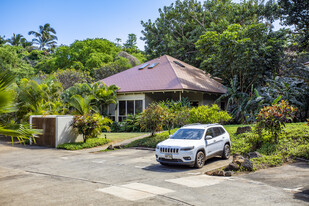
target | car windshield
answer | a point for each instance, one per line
(188, 134)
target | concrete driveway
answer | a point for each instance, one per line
(43, 176)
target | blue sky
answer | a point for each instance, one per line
(77, 19)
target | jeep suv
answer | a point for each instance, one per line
(193, 144)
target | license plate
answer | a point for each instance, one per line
(168, 156)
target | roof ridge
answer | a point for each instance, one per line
(167, 57)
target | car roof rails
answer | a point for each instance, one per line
(191, 124)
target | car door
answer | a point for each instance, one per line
(211, 144)
(219, 138)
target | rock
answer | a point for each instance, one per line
(118, 147)
(241, 130)
(133, 60)
(238, 159)
(110, 147)
(254, 155)
(228, 173)
(247, 165)
(232, 166)
(218, 173)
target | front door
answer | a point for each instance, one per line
(213, 144)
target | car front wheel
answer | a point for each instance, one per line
(200, 159)
(226, 151)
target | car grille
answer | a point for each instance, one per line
(169, 150)
(170, 160)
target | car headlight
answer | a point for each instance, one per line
(158, 147)
(187, 148)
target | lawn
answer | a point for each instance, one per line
(95, 142)
(115, 137)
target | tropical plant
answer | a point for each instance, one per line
(38, 99)
(102, 95)
(82, 105)
(45, 38)
(7, 105)
(273, 118)
(131, 123)
(90, 126)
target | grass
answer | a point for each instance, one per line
(91, 142)
(293, 143)
(95, 142)
(120, 136)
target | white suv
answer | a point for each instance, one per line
(193, 144)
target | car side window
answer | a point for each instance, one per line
(217, 131)
(222, 130)
(209, 132)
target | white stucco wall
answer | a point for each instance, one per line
(64, 130)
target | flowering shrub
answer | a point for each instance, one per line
(273, 118)
(90, 125)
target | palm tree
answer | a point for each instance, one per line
(45, 37)
(7, 105)
(81, 105)
(2, 40)
(15, 40)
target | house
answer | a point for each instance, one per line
(161, 79)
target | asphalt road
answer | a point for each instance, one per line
(43, 176)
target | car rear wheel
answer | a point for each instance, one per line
(199, 159)
(226, 151)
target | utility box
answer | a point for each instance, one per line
(57, 130)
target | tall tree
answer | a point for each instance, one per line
(2, 40)
(46, 37)
(15, 40)
(248, 52)
(19, 40)
(296, 13)
(181, 24)
(130, 44)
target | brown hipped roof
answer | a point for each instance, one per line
(167, 75)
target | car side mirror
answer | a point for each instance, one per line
(208, 137)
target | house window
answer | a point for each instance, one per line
(138, 106)
(194, 103)
(127, 107)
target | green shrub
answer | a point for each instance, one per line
(91, 142)
(152, 118)
(90, 125)
(131, 123)
(208, 114)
